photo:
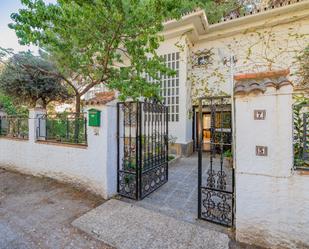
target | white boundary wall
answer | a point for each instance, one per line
(92, 167)
(272, 200)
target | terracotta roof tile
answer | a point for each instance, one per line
(261, 75)
(258, 82)
(101, 98)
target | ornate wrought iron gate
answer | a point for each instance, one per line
(215, 168)
(142, 148)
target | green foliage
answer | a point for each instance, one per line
(11, 106)
(301, 102)
(215, 9)
(228, 154)
(130, 165)
(113, 42)
(92, 40)
(23, 79)
(62, 128)
(14, 126)
(7, 105)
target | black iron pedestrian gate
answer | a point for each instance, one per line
(142, 148)
(215, 168)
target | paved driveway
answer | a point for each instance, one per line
(37, 213)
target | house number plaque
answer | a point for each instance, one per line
(259, 114)
(261, 150)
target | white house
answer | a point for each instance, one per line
(200, 52)
(251, 58)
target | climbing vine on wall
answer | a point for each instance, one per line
(264, 49)
(256, 50)
(202, 58)
(268, 49)
(303, 71)
(207, 73)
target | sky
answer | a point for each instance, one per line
(8, 39)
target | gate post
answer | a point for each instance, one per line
(102, 139)
(264, 155)
(36, 130)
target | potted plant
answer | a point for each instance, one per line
(228, 155)
(128, 179)
(129, 165)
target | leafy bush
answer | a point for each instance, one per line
(10, 108)
(299, 109)
(228, 154)
(66, 128)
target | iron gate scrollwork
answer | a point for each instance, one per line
(142, 148)
(215, 168)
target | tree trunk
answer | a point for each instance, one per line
(77, 103)
(77, 117)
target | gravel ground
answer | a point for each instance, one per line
(37, 213)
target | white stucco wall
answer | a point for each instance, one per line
(92, 167)
(258, 46)
(262, 42)
(275, 132)
(181, 129)
(271, 199)
(273, 211)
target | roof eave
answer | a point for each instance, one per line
(195, 24)
(257, 20)
(198, 28)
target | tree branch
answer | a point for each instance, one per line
(54, 74)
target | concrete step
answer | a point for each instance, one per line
(178, 214)
(128, 226)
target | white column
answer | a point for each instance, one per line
(34, 115)
(275, 132)
(102, 141)
(262, 181)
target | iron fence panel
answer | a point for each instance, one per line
(14, 126)
(63, 128)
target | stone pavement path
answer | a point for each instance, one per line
(127, 226)
(178, 197)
